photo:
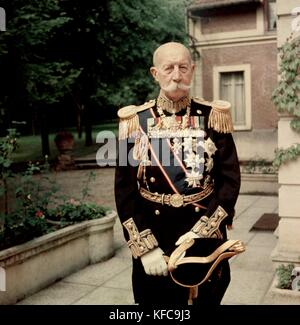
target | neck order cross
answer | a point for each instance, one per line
(170, 122)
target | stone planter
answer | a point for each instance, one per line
(36, 264)
(276, 296)
(259, 184)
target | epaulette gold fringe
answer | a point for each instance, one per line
(220, 117)
(128, 127)
(129, 120)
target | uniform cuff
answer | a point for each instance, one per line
(139, 242)
(209, 227)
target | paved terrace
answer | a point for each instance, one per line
(109, 282)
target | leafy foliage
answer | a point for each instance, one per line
(286, 95)
(73, 211)
(31, 31)
(285, 155)
(295, 125)
(93, 55)
(259, 166)
(48, 83)
(284, 273)
(137, 28)
(7, 147)
(36, 198)
(25, 218)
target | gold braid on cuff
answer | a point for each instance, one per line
(139, 242)
(209, 227)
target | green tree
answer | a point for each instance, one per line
(37, 77)
(112, 42)
(92, 55)
(83, 43)
(137, 27)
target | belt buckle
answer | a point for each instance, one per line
(176, 200)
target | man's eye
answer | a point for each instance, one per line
(183, 69)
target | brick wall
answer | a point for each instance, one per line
(228, 22)
(262, 58)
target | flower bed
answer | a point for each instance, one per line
(276, 296)
(32, 266)
(46, 234)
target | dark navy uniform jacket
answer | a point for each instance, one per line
(148, 224)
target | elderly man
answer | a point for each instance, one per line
(177, 166)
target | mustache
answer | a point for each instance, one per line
(174, 86)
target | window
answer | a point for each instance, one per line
(232, 88)
(232, 83)
(272, 18)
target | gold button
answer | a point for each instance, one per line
(199, 112)
(157, 212)
(152, 179)
(197, 209)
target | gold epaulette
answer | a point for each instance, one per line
(129, 120)
(220, 117)
(202, 101)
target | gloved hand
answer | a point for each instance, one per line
(154, 262)
(187, 235)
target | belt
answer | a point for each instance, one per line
(176, 200)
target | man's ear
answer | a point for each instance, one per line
(193, 67)
(153, 71)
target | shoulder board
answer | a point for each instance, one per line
(127, 111)
(146, 105)
(130, 111)
(220, 117)
(221, 104)
(129, 119)
(202, 101)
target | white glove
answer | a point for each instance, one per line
(187, 235)
(154, 262)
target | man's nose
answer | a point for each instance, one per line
(176, 74)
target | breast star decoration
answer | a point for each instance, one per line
(176, 145)
(193, 178)
(209, 147)
(196, 161)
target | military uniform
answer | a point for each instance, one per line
(172, 169)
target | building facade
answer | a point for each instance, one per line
(288, 246)
(234, 43)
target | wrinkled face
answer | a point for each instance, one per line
(173, 70)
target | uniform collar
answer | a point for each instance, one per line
(170, 106)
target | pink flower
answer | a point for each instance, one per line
(74, 202)
(39, 214)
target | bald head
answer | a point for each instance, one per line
(173, 70)
(167, 49)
